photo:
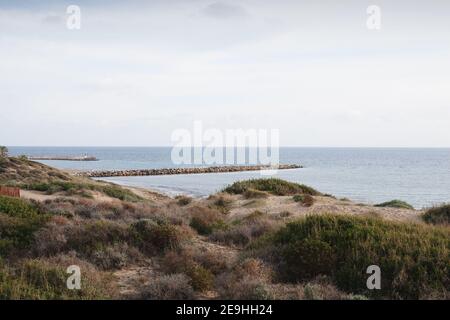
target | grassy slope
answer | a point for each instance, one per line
(35, 176)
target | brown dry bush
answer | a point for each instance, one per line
(175, 261)
(168, 287)
(153, 238)
(242, 232)
(51, 239)
(213, 261)
(85, 237)
(206, 220)
(184, 262)
(222, 202)
(249, 280)
(116, 256)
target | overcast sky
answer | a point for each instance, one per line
(138, 70)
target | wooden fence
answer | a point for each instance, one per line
(10, 191)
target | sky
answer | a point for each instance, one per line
(136, 71)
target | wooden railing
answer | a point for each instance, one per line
(10, 191)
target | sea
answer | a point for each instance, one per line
(420, 177)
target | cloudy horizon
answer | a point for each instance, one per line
(137, 71)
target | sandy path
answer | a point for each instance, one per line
(277, 204)
(37, 196)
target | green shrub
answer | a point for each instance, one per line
(81, 188)
(396, 204)
(15, 207)
(272, 185)
(39, 279)
(3, 152)
(91, 236)
(183, 200)
(120, 193)
(414, 259)
(438, 215)
(255, 194)
(201, 278)
(156, 237)
(305, 199)
(19, 220)
(54, 187)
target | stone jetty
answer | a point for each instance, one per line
(171, 171)
(66, 158)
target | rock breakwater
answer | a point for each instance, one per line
(172, 171)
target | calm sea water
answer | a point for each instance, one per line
(418, 176)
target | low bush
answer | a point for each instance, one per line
(112, 257)
(206, 220)
(119, 193)
(168, 287)
(248, 280)
(438, 215)
(90, 236)
(184, 262)
(255, 194)
(19, 220)
(183, 200)
(395, 204)
(304, 199)
(414, 259)
(156, 237)
(241, 232)
(39, 279)
(212, 260)
(222, 202)
(271, 185)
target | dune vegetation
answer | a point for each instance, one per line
(438, 215)
(395, 204)
(414, 259)
(271, 185)
(258, 239)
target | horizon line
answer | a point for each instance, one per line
(284, 146)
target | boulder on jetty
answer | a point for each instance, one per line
(171, 171)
